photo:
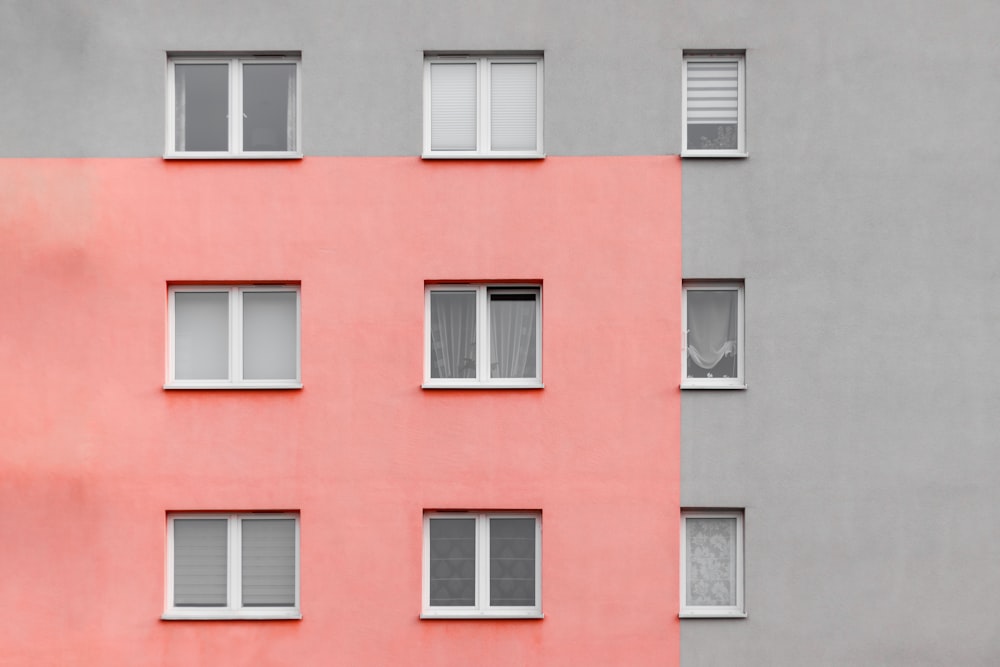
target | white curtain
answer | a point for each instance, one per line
(453, 335)
(512, 336)
(712, 327)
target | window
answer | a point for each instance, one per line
(224, 336)
(482, 565)
(232, 566)
(225, 107)
(713, 107)
(712, 321)
(712, 563)
(489, 106)
(483, 336)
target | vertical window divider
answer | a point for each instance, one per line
(485, 102)
(483, 339)
(235, 333)
(235, 579)
(236, 102)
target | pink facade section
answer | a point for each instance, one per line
(95, 451)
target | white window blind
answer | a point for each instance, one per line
(270, 335)
(713, 105)
(268, 562)
(513, 106)
(200, 562)
(201, 335)
(454, 106)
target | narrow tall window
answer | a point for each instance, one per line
(232, 566)
(482, 335)
(224, 336)
(714, 108)
(712, 563)
(233, 107)
(713, 333)
(487, 106)
(482, 565)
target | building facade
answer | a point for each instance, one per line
(492, 333)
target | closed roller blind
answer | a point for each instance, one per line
(453, 106)
(201, 335)
(514, 106)
(713, 92)
(268, 562)
(270, 335)
(200, 562)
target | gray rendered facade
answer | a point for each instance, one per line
(864, 449)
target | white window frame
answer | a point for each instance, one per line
(704, 611)
(483, 379)
(235, 107)
(235, 379)
(482, 608)
(741, 150)
(234, 580)
(738, 382)
(483, 107)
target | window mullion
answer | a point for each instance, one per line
(483, 563)
(235, 106)
(235, 596)
(483, 341)
(235, 335)
(483, 105)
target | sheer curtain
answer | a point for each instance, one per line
(512, 335)
(453, 335)
(712, 321)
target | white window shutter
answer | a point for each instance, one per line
(268, 562)
(200, 562)
(514, 106)
(453, 106)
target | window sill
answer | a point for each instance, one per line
(482, 385)
(706, 614)
(737, 387)
(715, 154)
(482, 616)
(228, 156)
(482, 156)
(232, 615)
(245, 385)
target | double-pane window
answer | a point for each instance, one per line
(233, 566)
(481, 335)
(224, 336)
(482, 564)
(487, 106)
(233, 107)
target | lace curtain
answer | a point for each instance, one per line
(711, 562)
(712, 321)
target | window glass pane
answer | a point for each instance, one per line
(453, 106)
(712, 104)
(512, 562)
(711, 561)
(201, 107)
(513, 335)
(453, 334)
(452, 562)
(200, 562)
(513, 106)
(201, 335)
(712, 321)
(269, 107)
(268, 562)
(270, 335)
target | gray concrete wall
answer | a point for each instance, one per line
(866, 448)
(88, 78)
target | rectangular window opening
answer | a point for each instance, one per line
(714, 107)
(713, 328)
(232, 566)
(482, 565)
(480, 336)
(233, 106)
(483, 106)
(712, 563)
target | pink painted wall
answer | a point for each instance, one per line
(94, 452)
